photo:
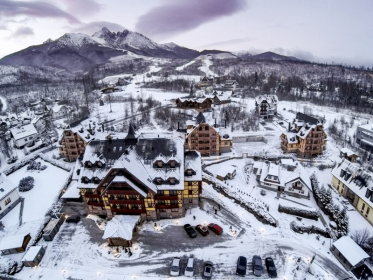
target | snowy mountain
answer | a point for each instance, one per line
(270, 56)
(77, 51)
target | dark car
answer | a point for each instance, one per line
(207, 270)
(257, 266)
(271, 268)
(241, 266)
(202, 230)
(190, 231)
(215, 228)
(73, 219)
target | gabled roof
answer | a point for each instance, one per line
(121, 226)
(350, 250)
(6, 186)
(348, 152)
(31, 254)
(200, 118)
(23, 131)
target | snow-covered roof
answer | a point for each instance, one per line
(348, 152)
(121, 226)
(225, 170)
(193, 161)
(368, 126)
(57, 108)
(273, 169)
(23, 131)
(305, 130)
(6, 186)
(350, 250)
(11, 242)
(271, 99)
(72, 191)
(288, 161)
(31, 254)
(358, 181)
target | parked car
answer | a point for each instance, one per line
(271, 268)
(280, 122)
(175, 267)
(257, 266)
(202, 230)
(189, 270)
(215, 228)
(241, 266)
(190, 231)
(12, 159)
(73, 219)
(207, 270)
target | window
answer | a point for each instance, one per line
(159, 164)
(367, 212)
(173, 192)
(7, 201)
(190, 200)
(190, 192)
(362, 208)
(150, 205)
(160, 192)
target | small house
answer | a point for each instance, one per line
(14, 244)
(348, 253)
(52, 228)
(120, 229)
(24, 135)
(33, 256)
(348, 154)
(9, 196)
(226, 172)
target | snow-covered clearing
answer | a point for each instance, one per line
(181, 68)
(206, 63)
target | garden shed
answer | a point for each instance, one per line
(14, 244)
(119, 230)
(33, 256)
(53, 227)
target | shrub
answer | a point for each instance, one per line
(310, 214)
(26, 184)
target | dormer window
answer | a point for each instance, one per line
(96, 180)
(159, 164)
(172, 181)
(189, 172)
(99, 164)
(85, 180)
(172, 164)
(88, 164)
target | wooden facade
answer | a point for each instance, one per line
(72, 144)
(200, 104)
(310, 146)
(207, 140)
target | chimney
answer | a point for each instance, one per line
(103, 129)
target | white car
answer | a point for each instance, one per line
(175, 267)
(189, 270)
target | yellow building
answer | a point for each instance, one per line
(355, 184)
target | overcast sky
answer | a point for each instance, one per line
(318, 30)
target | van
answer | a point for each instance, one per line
(189, 270)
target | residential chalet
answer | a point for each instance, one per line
(73, 142)
(197, 103)
(206, 81)
(266, 106)
(206, 139)
(356, 184)
(283, 177)
(24, 135)
(348, 154)
(306, 137)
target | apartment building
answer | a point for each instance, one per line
(356, 185)
(364, 136)
(73, 142)
(148, 175)
(306, 137)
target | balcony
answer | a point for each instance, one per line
(125, 201)
(128, 211)
(93, 195)
(162, 206)
(166, 197)
(96, 204)
(122, 192)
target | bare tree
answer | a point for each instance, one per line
(361, 237)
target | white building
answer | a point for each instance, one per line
(9, 196)
(60, 111)
(292, 181)
(24, 135)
